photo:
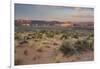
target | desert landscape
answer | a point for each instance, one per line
(42, 40)
(53, 46)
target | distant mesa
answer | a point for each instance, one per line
(23, 22)
(43, 23)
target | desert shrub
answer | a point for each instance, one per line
(90, 44)
(30, 34)
(90, 40)
(90, 36)
(22, 42)
(83, 45)
(28, 37)
(43, 31)
(18, 61)
(50, 34)
(64, 36)
(75, 35)
(67, 48)
(17, 38)
(39, 35)
(57, 32)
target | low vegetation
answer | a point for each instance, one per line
(40, 45)
(67, 48)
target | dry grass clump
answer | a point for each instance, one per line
(25, 52)
(40, 50)
(67, 48)
(55, 43)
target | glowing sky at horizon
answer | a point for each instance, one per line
(53, 13)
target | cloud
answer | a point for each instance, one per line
(82, 14)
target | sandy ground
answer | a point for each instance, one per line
(46, 51)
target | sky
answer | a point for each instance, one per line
(53, 13)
